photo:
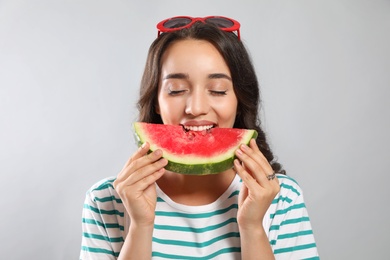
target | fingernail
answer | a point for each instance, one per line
(244, 147)
(143, 145)
(163, 161)
(239, 152)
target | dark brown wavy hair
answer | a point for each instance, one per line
(244, 79)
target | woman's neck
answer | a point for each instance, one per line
(195, 190)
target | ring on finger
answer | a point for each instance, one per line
(271, 176)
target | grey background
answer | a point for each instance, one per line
(69, 76)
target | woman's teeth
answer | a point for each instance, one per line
(198, 128)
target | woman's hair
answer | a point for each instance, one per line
(245, 84)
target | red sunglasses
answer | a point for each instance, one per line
(180, 22)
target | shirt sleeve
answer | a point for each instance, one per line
(290, 231)
(102, 225)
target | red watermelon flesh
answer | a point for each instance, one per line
(194, 152)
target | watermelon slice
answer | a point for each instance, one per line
(194, 152)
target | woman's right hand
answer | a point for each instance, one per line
(135, 184)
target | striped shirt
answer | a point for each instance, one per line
(197, 232)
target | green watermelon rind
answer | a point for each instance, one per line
(204, 167)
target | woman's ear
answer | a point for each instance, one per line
(157, 109)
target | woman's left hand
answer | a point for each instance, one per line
(258, 191)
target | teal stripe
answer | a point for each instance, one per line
(235, 193)
(294, 220)
(102, 211)
(274, 227)
(195, 230)
(160, 199)
(195, 244)
(284, 211)
(281, 198)
(312, 258)
(290, 188)
(292, 235)
(106, 199)
(198, 215)
(105, 185)
(105, 225)
(296, 234)
(289, 221)
(219, 252)
(100, 237)
(294, 248)
(99, 250)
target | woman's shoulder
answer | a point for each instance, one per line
(289, 200)
(286, 180)
(103, 184)
(104, 188)
(289, 187)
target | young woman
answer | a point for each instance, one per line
(198, 74)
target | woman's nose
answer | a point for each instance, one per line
(197, 104)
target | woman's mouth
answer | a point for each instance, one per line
(197, 128)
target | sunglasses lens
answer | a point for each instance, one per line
(177, 23)
(220, 22)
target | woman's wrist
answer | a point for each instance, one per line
(252, 231)
(141, 228)
(138, 242)
(253, 241)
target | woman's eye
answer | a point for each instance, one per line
(175, 92)
(218, 93)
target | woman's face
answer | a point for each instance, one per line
(196, 88)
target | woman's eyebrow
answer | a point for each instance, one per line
(219, 76)
(177, 76)
(186, 76)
